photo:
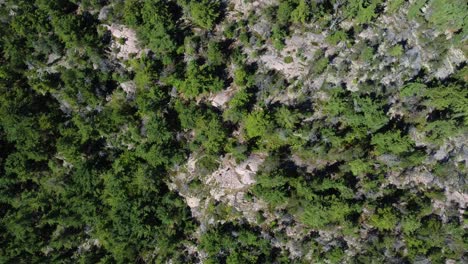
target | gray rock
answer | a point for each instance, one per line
(104, 13)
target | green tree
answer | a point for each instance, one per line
(449, 16)
(210, 133)
(257, 124)
(385, 219)
(214, 54)
(205, 12)
(302, 12)
(199, 80)
(391, 142)
(158, 26)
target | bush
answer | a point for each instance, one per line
(396, 51)
(384, 220)
(288, 59)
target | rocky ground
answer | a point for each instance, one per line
(229, 183)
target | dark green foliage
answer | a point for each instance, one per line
(94, 149)
(210, 133)
(237, 244)
(214, 54)
(364, 11)
(199, 80)
(156, 24)
(61, 187)
(238, 106)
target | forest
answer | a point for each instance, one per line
(234, 131)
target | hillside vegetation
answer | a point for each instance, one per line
(205, 131)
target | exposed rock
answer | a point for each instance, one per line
(305, 45)
(263, 28)
(53, 57)
(86, 246)
(389, 160)
(231, 177)
(192, 201)
(220, 99)
(129, 87)
(128, 37)
(104, 13)
(453, 59)
(418, 175)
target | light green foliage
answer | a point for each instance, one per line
(359, 167)
(237, 150)
(410, 224)
(240, 99)
(257, 124)
(273, 197)
(237, 106)
(145, 71)
(428, 236)
(366, 14)
(191, 46)
(396, 51)
(244, 37)
(302, 13)
(391, 142)
(448, 15)
(285, 9)
(320, 66)
(240, 246)
(440, 130)
(384, 219)
(209, 132)
(462, 74)
(454, 98)
(414, 9)
(336, 37)
(364, 11)
(318, 217)
(278, 35)
(240, 76)
(205, 12)
(413, 89)
(214, 54)
(288, 59)
(394, 5)
(286, 118)
(367, 54)
(368, 114)
(132, 13)
(335, 105)
(314, 216)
